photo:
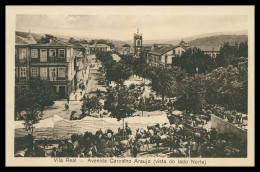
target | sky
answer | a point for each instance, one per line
(122, 27)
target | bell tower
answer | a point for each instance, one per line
(138, 42)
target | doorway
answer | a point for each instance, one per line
(62, 92)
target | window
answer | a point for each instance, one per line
(22, 53)
(34, 72)
(16, 71)
(61, 53)
(43, 55)
(53, 73)
(34, 53)
(43, 72)
(61, 72)
(23, 72)
(52, 53)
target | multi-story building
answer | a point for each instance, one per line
(95, 48)
(54, 61)
(161, 56)
(212, 51)
(22, 62)
(83, 59)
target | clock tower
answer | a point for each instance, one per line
(138, 41)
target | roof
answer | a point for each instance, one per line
(98, 45)
(24, 41)
(208, 48)
(85, 45)
(54, 43)
(122, 49)
(77, 46)
(162, 51)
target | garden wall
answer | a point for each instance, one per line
(226, 127)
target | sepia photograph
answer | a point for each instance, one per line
(130, 86)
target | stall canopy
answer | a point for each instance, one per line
(56, 127)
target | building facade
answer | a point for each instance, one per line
(83, 60)
(212, 51)
(162, 56)
(22, 61)
(95, 48)
(50, 60)
(54, 62)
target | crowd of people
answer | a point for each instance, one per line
(184, 137)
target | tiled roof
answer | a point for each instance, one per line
(98, 45)
(162, 50)
(77, 46)
(85, 45)
(54, 43)
(23, 41)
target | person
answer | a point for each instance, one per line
(54, 152)
(66, 106)
(134, 151)
(45, 142)
(68, 99)
(80, 93)
(75, 96)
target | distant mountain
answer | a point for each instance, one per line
(176, 41)
(218, 40)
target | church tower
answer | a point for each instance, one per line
(138, 42)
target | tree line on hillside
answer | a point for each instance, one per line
(91, 42)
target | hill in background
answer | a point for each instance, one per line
(218, 40)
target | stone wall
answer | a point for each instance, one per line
(226, 127)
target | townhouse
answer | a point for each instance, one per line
(22, 61)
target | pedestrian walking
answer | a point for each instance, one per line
(68, 99)
(80, 93)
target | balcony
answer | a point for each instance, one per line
(52, 59)
(22, 80)
(20, 61)
(49, 60)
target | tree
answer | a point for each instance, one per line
(32, 116)
(190, 93)
(91, 104)
(164, 80)
(122, 102)
(126, 45)
(72, 40)
(39, 92)
(227, 87)
(118, 72)
(193, 59)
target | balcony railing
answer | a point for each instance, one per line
(20, 61)
(49, 60)
(22, 80)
